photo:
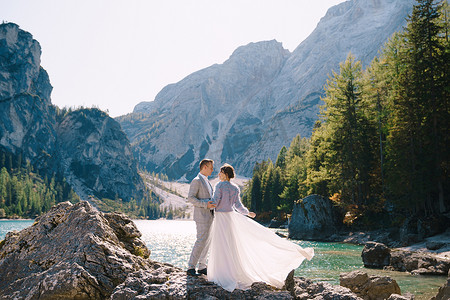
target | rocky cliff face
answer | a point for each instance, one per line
(313, 218)
(204, 114)
(247, 108)
(26, 114)
(96, 156)
(87, 146)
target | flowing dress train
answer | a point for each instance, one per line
(243, 252)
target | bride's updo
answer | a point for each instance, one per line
(227, 170)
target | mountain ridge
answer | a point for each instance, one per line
(241, 117)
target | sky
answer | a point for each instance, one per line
(113, 54)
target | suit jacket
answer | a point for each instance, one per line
(199, 196)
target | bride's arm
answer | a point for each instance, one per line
(238, 204)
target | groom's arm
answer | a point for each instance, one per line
(192, 195)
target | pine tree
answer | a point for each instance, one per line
(281, 158)
(348, 135)
(418, 162)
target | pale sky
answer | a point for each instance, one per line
(116, 53)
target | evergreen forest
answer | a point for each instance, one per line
(27, 193)
(380, 149)
(24, 193)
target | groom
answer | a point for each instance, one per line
(200, 194)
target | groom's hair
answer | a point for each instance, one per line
(228, 170)
(204, 162)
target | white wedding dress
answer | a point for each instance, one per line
(242, 251)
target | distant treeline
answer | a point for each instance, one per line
(25, 193)
(149, 207)
(381, 144)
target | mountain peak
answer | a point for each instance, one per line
(244, 110)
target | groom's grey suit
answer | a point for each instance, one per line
(199, 196)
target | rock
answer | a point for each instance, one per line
(369, 287)
(398, 297)
(313, 218)
(384, 236)
(415, 229)
(289, 283)
(434, 245)
(418, 263)
(71, 252)
(260, 98)
(26, 113)
(306, 289)
(375, 255)
(96, 157)
(276, 223)
(77, 252)
(444, 292)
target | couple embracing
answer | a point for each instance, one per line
(241, 251)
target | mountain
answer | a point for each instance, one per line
(26, 113)
(86, 146)
(244, 110)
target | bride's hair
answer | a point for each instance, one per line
(228, 170)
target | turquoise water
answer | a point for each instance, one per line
(10, 225)
(172, 241)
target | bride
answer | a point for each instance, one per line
(242, 251)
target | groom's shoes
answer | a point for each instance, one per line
(191, 272)
(203, 271)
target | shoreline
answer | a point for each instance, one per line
(354, 238)
(18, 219)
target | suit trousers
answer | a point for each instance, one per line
(199, 252)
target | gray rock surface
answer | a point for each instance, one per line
(376, 255)
(244, 110)
(418, 263)
(313, 218)
(87, 146)
(71, 252)
(399, 297)
(26, 114)
(77, 252)
(95, 156)
(379, 256)
(369, 287)
(305, 289)
(444, 292)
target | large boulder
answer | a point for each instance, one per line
(313, 218)
(73, 251)
(369, 287)
(376, 255)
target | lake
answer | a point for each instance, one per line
(171, 241)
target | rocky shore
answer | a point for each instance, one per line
(77, 252)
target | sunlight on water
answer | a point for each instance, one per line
(172, 241)
(10, 225)
(169, 241)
